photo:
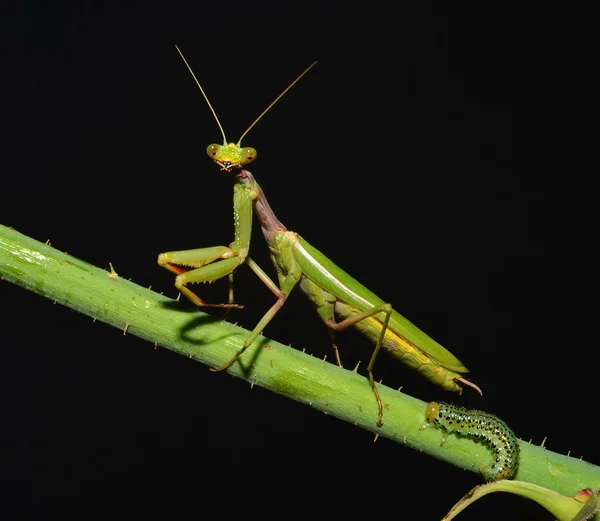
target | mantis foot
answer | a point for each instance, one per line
(223, 367)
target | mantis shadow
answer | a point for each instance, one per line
(198, 321)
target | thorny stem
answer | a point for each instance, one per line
(284, 370)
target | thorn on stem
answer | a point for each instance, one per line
(125, 329)
(113, 274)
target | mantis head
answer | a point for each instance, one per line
(231, 156)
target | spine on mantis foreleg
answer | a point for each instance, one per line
(405, 351)
(481, 426)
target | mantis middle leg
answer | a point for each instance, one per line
(287, 286)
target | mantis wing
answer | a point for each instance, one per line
(330, 277)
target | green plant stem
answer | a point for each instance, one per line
(284, 370)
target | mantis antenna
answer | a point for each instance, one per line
(262, 113)
(203, 94)
(275, 101)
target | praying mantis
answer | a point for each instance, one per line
(340, 300)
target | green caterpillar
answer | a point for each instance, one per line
(487, 428)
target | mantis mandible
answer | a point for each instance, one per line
(334, 293)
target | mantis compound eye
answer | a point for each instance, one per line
(213, 150)
(247, 155)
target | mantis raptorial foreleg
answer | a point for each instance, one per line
(212, 263)
(209, 264)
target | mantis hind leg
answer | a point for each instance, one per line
(335, 348)
(351, 321)
(207, 265)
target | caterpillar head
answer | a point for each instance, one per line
(432, 411)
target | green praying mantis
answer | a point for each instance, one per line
(340, 300)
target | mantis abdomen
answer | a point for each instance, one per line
(403, 350)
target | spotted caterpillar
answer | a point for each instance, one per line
(487, 428)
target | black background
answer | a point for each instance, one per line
(394, 156)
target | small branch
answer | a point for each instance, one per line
(284, 370)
